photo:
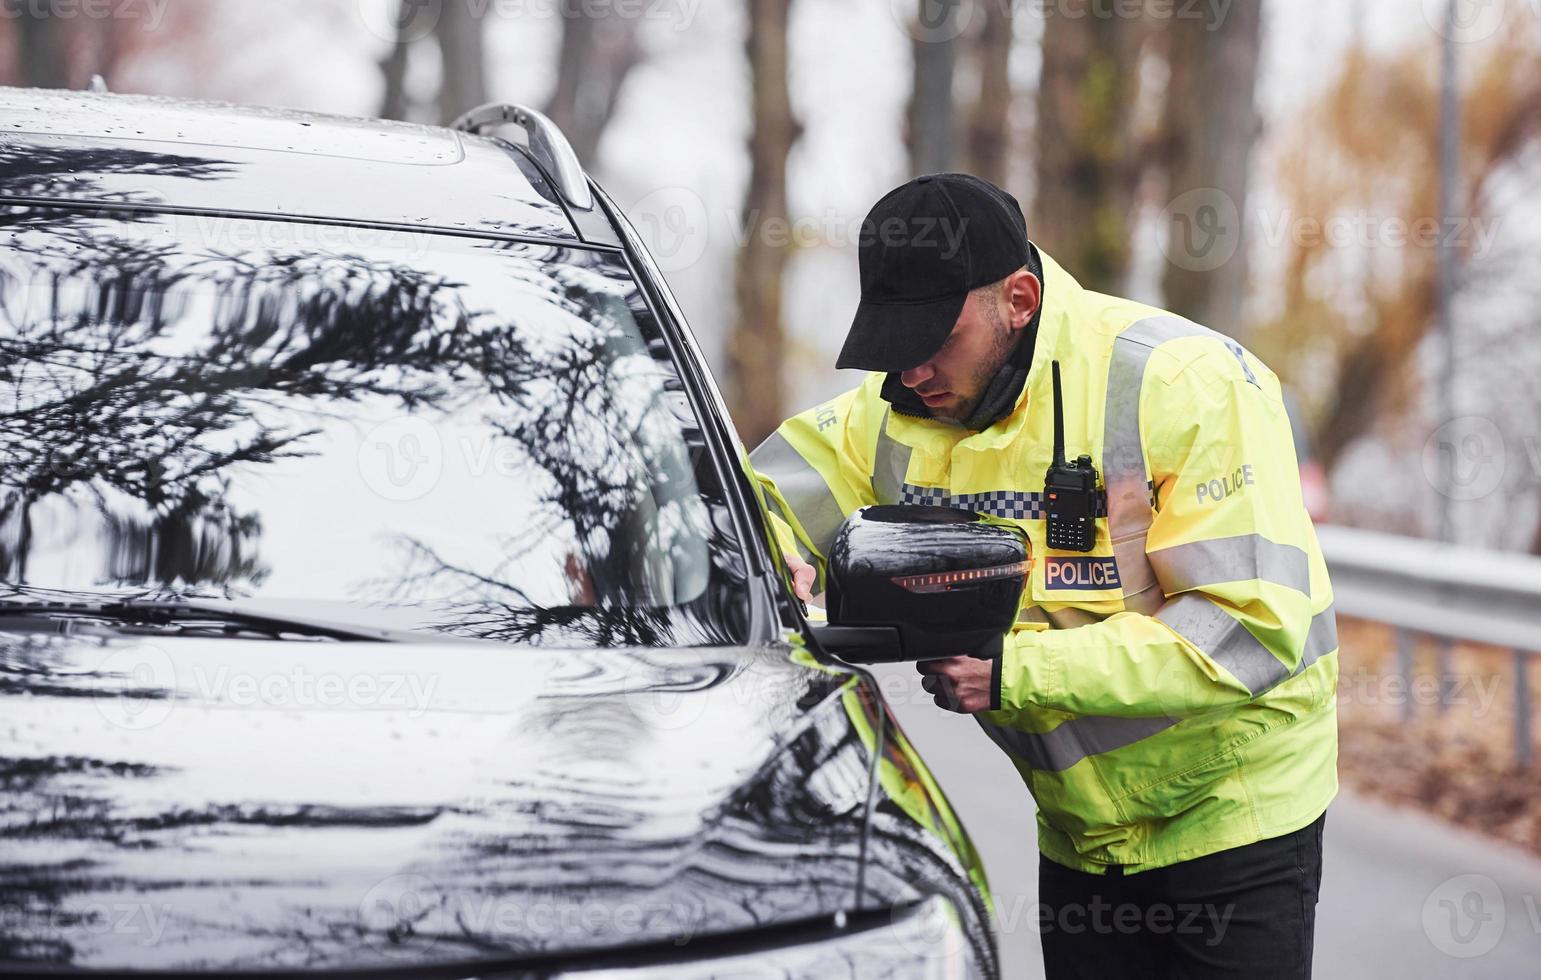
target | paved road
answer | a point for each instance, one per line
(1403, 895)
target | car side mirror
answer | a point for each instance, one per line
(908, 582)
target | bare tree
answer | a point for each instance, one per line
(930, 120)
(41, 45)
(757, 345)
(1088, 161)
(1368, 146)
(464, 84)
(987, 144)
(393, 67)
(1210, 127)
(598, 53)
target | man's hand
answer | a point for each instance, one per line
(803, 576)
(961, 684)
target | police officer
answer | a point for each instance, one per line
(1168, 694)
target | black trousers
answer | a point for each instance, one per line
(1247, 912)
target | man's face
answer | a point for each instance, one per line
(952, 382)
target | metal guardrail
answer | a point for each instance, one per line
(1448, 592)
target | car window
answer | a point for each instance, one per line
(478, 438)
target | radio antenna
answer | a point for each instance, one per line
(1059, 421)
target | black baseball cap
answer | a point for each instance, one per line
(923, 248)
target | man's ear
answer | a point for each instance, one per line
(1023, 294)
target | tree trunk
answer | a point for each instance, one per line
(757, 346)
(41, 39)
(988, 146)
(597, 54)
(930, 119)
(394, 69)
(1088, 169)
(1211, 125)
(464, 84)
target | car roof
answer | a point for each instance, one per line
(159, 154)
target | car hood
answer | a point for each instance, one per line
(235, 804)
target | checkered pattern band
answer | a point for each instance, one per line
(1018, 504)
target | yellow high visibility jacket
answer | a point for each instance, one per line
(1171, 693)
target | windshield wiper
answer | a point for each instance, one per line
(184, 613)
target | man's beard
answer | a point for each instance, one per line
(1000, 351)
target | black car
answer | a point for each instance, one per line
(383, 589)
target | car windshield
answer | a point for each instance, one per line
(460, 436)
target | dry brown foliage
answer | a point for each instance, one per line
(1349, 319)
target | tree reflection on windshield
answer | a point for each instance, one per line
(180, 415)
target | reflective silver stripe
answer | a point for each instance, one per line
(890, 463)
(1145, 602)
(1063, 747)
(1236, 559)
(1226, 641)
(1123, 461)
(1070, 617)
(1322, 638)
(1134, 569)
(1123, 458)
(804, 490)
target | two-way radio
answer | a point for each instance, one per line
(1069, 490)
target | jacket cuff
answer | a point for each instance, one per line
(995, 680)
